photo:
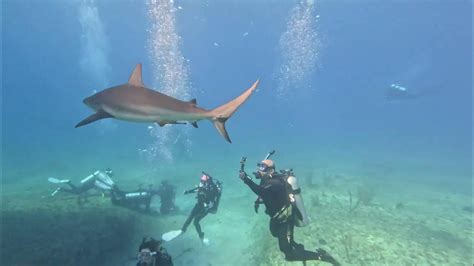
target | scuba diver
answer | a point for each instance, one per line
(281, 195)
(152, 253)
(208, 194)
(139, 199)
(167, 193)
(101, 180)
(397, 92)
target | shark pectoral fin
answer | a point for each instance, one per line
(101, 114)
(136, 77)
(219, 123)
(194, 124)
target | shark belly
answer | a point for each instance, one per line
(150, 114)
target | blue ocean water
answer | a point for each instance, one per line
(324, 68)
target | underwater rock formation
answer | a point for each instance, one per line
(60, 232)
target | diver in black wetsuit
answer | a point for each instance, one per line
(280, 206)
(139, 200)
(167, 193)
(208, 197)
(208, 194)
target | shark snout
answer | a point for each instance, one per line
(89, 101)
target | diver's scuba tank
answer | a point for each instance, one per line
(137, 195)
(214, 207)
(103, 180)
(301, 219)
(104, 177)
(90, 178)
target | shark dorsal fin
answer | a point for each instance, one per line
(136, 77)
(193, 101)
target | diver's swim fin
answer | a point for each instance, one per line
(55, 192)
(58, 181)
(324, 256)
(171, 235)
(206, 242)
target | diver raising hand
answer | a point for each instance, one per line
(281, 195)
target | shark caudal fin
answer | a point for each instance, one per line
(220, 114)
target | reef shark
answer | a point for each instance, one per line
(134, 102)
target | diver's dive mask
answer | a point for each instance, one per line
(146, 256)
(265, 165)
(109, 172)
(262, 170)
(262, 167)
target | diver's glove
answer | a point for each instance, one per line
(257, 203)
(243, 175)
(190, 190)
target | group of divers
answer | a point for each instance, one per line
(277, 190)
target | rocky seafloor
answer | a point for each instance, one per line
(359, 224)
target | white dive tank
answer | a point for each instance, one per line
(103, 180)
(90, 178)
(137, 195)
(301, 218)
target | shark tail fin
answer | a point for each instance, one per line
(220, 114)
